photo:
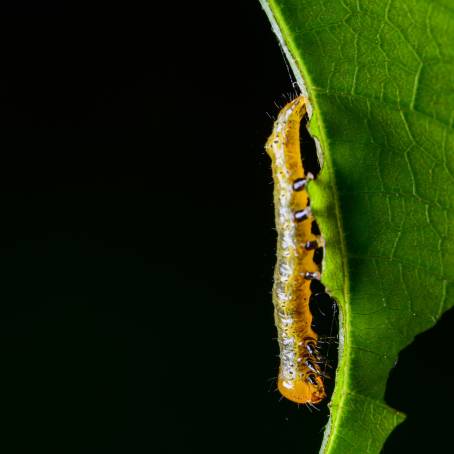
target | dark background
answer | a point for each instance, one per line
(137, 240)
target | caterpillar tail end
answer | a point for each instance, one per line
(300, 391)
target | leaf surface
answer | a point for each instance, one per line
(380, 78)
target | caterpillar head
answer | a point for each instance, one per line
(302, 390)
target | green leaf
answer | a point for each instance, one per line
(380, 78)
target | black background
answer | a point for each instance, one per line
(137, 240)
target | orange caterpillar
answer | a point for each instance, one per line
(300, 377)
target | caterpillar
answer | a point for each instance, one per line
(300, 378)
